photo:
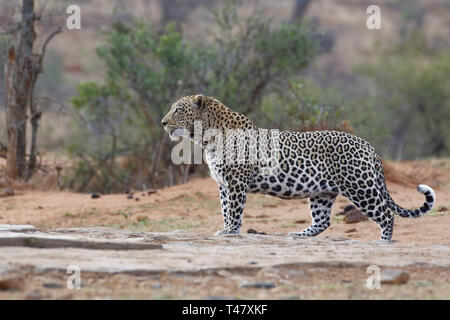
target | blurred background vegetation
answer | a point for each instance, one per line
(293, 65)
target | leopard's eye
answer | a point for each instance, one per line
(176, 111)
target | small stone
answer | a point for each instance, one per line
(347, 208)
(442, 209)
(300, 221)
(259, 285)
(53, 285)
(14, 283)
(95, 195)
(394, 276)
(350, 230)
(151, 191)
(130, 196)
(137, 199)
(354, 216)
(6, 192)
(253, 231)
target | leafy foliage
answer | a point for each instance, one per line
(413, 95)
(304, 105)
(148, 69)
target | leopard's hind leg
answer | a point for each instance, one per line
(320, 215)
(372, 204)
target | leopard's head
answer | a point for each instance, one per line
(179, 121)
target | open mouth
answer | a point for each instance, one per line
(176, 133)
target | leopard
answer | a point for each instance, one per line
(319, 165)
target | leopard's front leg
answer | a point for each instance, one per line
(232, 199)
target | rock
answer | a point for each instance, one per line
(17, 228)
(354, 216)
(253, 231)
(53, 285)
(6, 192)
(151, 191)
(347, 208)
(442, 209)
(137, 199)
(130, 195)
(14, 283)
(55, 241)
(95, 195)
(259, 285)
(394, 276)
(300, 221)
(346, 281)
(350, 230)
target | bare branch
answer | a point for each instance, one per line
(49, 38)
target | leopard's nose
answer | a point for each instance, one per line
(164, 122)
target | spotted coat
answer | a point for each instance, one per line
(318, 165)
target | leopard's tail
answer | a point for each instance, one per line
(430, 198)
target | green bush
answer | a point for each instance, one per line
(412, 96)
(148, 69)
(303, 105)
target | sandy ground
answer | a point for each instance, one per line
(195, 208)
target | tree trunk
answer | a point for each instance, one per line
(21, 73)
(19, 80)
(299, 9)
(35, 117)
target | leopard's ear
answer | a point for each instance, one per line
(199, 100)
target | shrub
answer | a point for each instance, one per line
(148, 69)
(303, 106)
(412, 96)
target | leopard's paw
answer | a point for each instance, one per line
(225, 232)
(297, 235)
